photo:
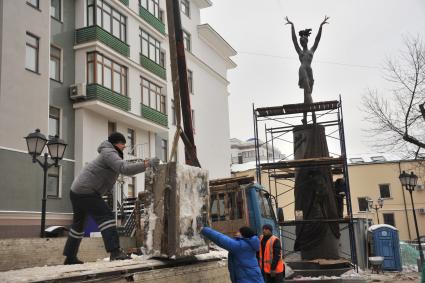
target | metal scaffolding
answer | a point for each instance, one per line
(279, 173)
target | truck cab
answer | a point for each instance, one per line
(237, 202)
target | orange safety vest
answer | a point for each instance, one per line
(268, 256)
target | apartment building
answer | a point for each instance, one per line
(84, 68)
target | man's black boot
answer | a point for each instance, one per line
(119, 254)
(72, 260)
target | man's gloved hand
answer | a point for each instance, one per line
(154, 162)
(151, 162)
(272, 273)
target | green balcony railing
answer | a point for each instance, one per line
(92, 33)
(154, 115)
(98, 92)
(152, 66)
(125, 2)
(151, 19)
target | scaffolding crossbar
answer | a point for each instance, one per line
(297, 108)
(309, 162)
(291, 175)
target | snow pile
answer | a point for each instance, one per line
(308, 278)
(213, 255)
(152, 222)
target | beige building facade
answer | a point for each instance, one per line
(369, 180)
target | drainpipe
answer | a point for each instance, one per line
(404, 201)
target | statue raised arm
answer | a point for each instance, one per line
(294, 36)
(305, 55)
(319, 34)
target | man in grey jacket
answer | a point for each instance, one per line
(96, 179)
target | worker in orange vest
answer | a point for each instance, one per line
(270, 256)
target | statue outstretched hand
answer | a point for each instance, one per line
(325, 21)
(288, 22)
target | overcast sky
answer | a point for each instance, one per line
(353, 47)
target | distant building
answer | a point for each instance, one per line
(244, 151)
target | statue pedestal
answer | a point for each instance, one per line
(314, 196)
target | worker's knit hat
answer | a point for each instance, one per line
(246, 232)
(116, 137)
(268, 227)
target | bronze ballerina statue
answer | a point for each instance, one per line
(305, 73)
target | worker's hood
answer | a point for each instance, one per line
(106, 146)
(253, 242)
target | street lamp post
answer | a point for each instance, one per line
(409, 181)
(36, 142)
(375, 206)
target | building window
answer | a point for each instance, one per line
(31, 52)
(187, 41)
(53, 182)
(173, 112)
(150, 47)
(356, 160)
(55, 63)
(363, 204)
(164, 150)
(130, 141)
(55, 9)
(34, 3)
(389, 219)
(190, 80)
(131, 192)
(162, 59)
(185, 7)
(152, 96)
(384, 190)
(103, 15)
(105, 72)
(152, 6)
(161, 15)
(193, 121)
(112, 127)
(54, 122)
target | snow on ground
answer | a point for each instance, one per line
(409, 274)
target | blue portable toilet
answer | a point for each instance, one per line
(384, 241)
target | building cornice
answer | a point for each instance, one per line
(217, 43)
(26, 152)
(208, 68)
(202, 3)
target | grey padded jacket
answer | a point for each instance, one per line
(100, 175)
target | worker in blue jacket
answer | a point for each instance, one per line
(242, 260)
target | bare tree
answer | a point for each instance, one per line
(398, 118)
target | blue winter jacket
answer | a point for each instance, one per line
(242, 260)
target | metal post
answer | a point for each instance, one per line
(377, 215)
(421, 254)
(45, 166)
(257, 151)
(347, 184)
